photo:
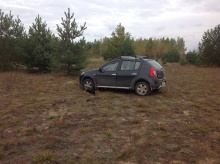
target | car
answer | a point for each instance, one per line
(126, 72)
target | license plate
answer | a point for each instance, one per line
(163, 84)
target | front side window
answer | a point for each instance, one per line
(130, 65)
(111, 66)
(137, 65)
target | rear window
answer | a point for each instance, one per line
(154, 64)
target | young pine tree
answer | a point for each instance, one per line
(119, 44)
(71, 54)
(11, 37)
(39, 48)
(209, 47)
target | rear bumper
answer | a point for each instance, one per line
(159, 83)
(163, 84)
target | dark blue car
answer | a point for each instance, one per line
(135, 73)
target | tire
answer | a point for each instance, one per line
(142, 89)
(88, 84)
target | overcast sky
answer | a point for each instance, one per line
(188, 19)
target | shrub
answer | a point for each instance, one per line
(172, 56)
(183, 61)
(199, 61)
(191, 57)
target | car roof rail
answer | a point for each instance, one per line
(127, 57)
(140, 56)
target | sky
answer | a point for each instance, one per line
(188, 19)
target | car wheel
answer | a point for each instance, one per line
(88, 84)
(142, 89)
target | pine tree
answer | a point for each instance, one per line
(11, 37)
(119, 44)
(38, 47)
(209, 48)
(72, 54)
(127, 49)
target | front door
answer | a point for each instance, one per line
(106, 76)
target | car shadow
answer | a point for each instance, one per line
(126, 91)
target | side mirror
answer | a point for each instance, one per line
(101, 70)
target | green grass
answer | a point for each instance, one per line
(44, 157)
(48, 118)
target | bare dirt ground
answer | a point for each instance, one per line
(50, 119)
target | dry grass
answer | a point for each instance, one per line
(48, 118)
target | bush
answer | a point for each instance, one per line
(199, 61)
(191, 57)
(172, 56)
(183, 61)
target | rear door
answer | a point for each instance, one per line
(127, 72)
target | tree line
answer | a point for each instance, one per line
(164, 49)
(122, 44)
(39, 50)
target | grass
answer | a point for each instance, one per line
(46, 118)
(44, 157)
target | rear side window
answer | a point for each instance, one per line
(137, 65)
(130, 65)
(154, 64)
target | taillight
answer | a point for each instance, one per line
(153, 72)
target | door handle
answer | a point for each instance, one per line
(113, 74)
(134, 74)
